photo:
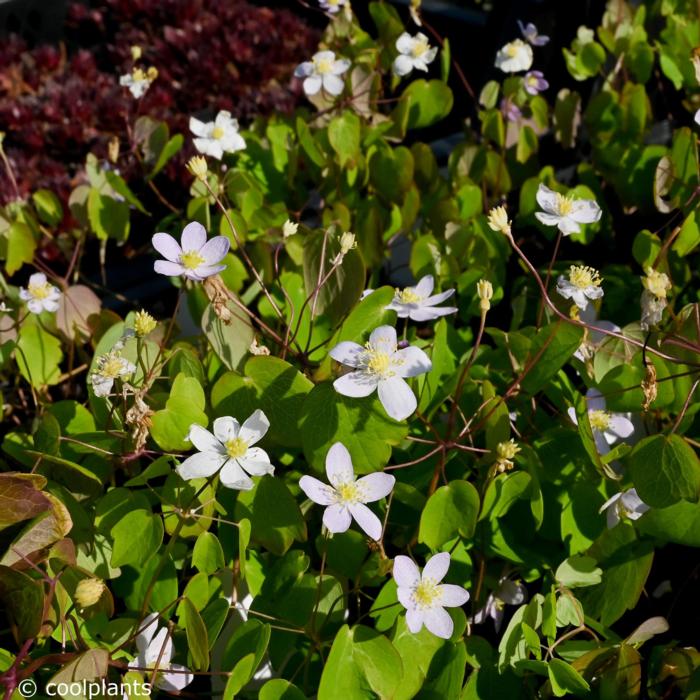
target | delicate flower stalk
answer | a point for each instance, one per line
(415, 53)
(498, 220)
(484, 290)
(40, 295)
(419, 303)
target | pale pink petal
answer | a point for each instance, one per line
(375, 486)
(337, 518)
(167, 246)
(215, 250)
(411, 361)
(366, 519)
(203, 440)
(194, 236)
(414, 620)
(201, 465)
(317, 491)
(233, 477)
(452, 596)
(339, 465)
(405, 596)
(397, 398)
(356, 384)
(226, 428)
(347, 353)
(405, 572)
(254, 428)
(595, 401)
(437, 566)
(256, 462)
(303, 70)
(169, 269)
(438, 621)
(204, 271)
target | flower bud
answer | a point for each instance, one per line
(144, 323)
(484, 289)
(347, 242)
(152, 73)
(505, 453)
(498, 220)
(197, 166)
(289, 229)
(89, 591)
(136, 53)
(656, 282)
(113, 149)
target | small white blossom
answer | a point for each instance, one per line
(595, 333)
(155, 647)
(289, 228)
(230, 450)
(534, 82)
(565, 212)
(424, 597)
(508, 593)
(514, 57)
(583, 285)
(346, 496)
(108, 368)
(419, 303)
(333, 6)
(624, 505)
(380, 365)
(498, 220)
(415, 53)
(138, 81)
(194, 257)
(323, 71)
(40, 295)
(608, 428)
(217, 137)
(531, 35)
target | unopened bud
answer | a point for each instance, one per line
(289, 229)
(144, 323)
(347, 242)
(256, 349)
(484, 289)
(197, 166)
(113, 149)
(152, 73)
(498, 220)
(656, 282)
(505, 453)
(136, 53)
(89, 591)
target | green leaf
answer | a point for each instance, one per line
(362, 663)
(244, 653)
(665, 469)
(23, 600)
(230, 340)
(391, 172)
(679, 523)
(450, 511)
(47, 437)
(88, 666)
(197, 639)
(208, 555)
(38, 355)
(566, 679)
(137, 536)
(173, 145)
(108, 217)
(275, 518)
(361, 425)
(48, 207)
(20, 246)
(184, 406)
(578, 571)
(280, 689)
(21, 497)
(429, 102)
(344, 137)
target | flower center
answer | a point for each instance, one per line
(565, 205)
(40, 291)
(600, 420)
(348, 492)
(112, 367)
(235, 447)
(419, 48)
(191, 260)
(408, 296)
(584, 277)
(512, 50)
(426, 593)
(377, 362)
(324, 66)
(532, 81)
(217, 133)
(657, 283)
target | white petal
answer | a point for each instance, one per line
(333, 85)
(160, 650)
(233, 477)
(214, 250)
(547, 199)
(169, 269)
(568, 226)
(38, 279)
(202, 464)
(452, 596)
(203, 440)
(347, 353)
(194, 236)
(375, 486)
(621, 426)
(303, 70)
(438, 621)
(595, 401)
(437, 566)
(405, 572)
(339, 465)
(312, 84)
(366, 519)
(340, 66)
(512, 593)
(402, 65)
(430, 313)
(204, 271)
(411, 361)
(609, 502)
(337, 518)
(404, 44)
(397, 398)
(317, 491)
(548, 219)
(425, 286)
(414, 620)
(571, 411)
(356, 384)
(254, 428)
(256, 462)
(438, 298)
(176, 678)
(147, 629)
(585, 211)
(226, 428)
(198, 128)
(209, 147)
(383, 339)
(405, 596)
(167, 246)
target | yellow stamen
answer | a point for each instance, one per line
(407, 296)
(420, 46)
(565, 205)
(112, 367)
(324, 66)
(191, 260)
(583, 277)
(426, 593)
(40, 291)
(217, 133)
(235, 447)
(599, 420)
(348, 492)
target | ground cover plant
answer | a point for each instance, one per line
(396, 426)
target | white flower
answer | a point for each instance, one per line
(531, 35)
(514, 57)
(138, 81)
(696, 118)
(380, 365)
(595, 335)
(508, 593)
(414, 53)
(323, 71)
(653, 300)
(108, 368)
(624, 505)
(289, 228)
(417, 303)
(583, 284)
(40, 295)
(346, 496)
(424, 597)
(608, 428)
(217, 137)
(194, 258)
(333, 6)
(230, 450)
(155, 647)
(565, 212)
